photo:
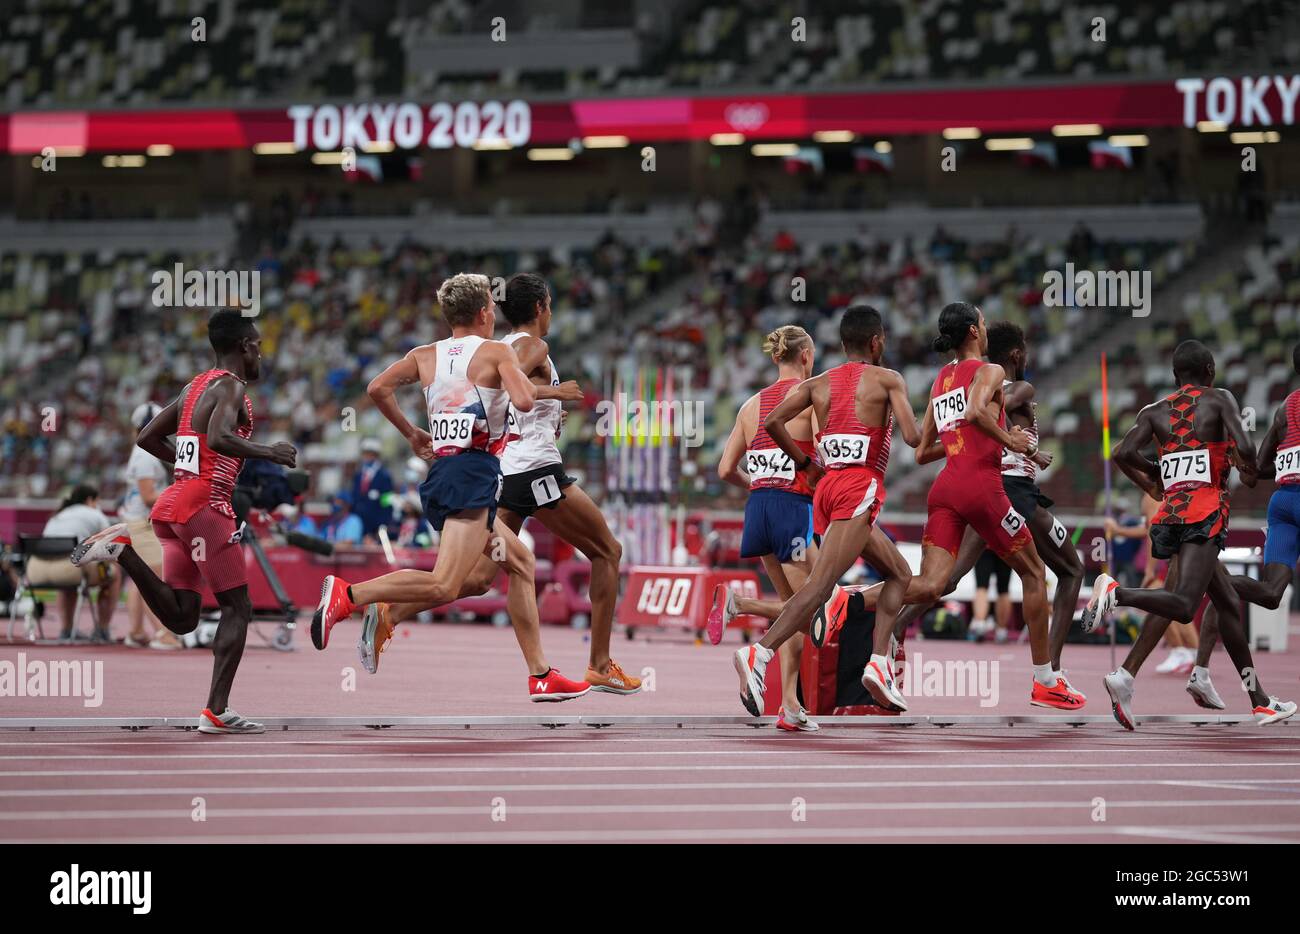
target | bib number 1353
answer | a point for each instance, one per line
(844, 449)
(187, 453)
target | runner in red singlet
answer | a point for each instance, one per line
(778, 514)
(965, 423)
(855, 404)
(1197, 430)
(212, 420)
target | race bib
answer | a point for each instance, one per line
(451, 430)
(1287, 463)
(187, 453)
(1012, 522)
(545, 490)
(1185, 470)
(770, 464)
(844, 450)
(949, 408)
(1058, 532)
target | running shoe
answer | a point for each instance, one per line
(1186, 663)
(1070, 687)
(553, 687)
(722, 612)
(334, 605)
(1101, 605)
(376, 631)
(614, 681)
(882, 686)
(1170, 662)
(829, 618)
(1119, 685)
(1203, 692)
(133, 641)
(1059, 695)
(798, 722)
(751, 664)
(228, 722)
(102, 546)
(1275, 711)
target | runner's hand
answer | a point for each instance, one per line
(1043, 458)
(1019, 442)
(814, 472)
(284, 453)
(422, 444)
(570, 391)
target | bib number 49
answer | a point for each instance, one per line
(187, 453)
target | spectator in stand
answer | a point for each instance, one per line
(343, 526)
(371, 487)
(78, 517)
(146, 477)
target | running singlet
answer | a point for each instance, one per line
(532, 434)
(202, 477)
(844, 441)
(463, 416)
(969, 450)
(1287, 460)
(769, 467)
(1194, 473)
(1021, 465)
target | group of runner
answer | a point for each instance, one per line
(811, 450)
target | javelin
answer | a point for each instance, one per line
(1105, 456)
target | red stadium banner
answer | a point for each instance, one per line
(1251, 101)
(679, 598)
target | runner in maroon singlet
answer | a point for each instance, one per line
(212, 420)
(855, 404)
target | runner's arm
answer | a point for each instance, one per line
(1129, 458)
(1266, 464)
(1243, 450)
(382, 391)
(988, 379)
(223, 423)
(734, 451)
(930, 447)
(902, 407)
(155, 437)
(515, 382)
(796, 401)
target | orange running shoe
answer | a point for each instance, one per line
(376, 631)
(829, 618)
(1060, 695)
(614, 681)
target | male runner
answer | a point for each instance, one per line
(778, 513)
(1199, 436)
(855, 405)
(1279, 458)
(212, 420)
(966, 415)
(469, 381)
(535, 484)
(1007, 349)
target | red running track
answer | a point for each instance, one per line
(724, 784)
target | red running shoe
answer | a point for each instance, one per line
(829, 618)
(553, 687)
(1060, 695)
(334, 605)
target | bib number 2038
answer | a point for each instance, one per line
(1185, 470)
(451, 430)
(187, 453)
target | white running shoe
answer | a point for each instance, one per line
(1275, 711)
(751, 664)
(1203, 692)
(228, 722)
(1170, 662)
(1101, 605)
(798, 722)
(1120, 688)
(102, 546)
(882, 686)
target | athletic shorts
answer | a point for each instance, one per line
(847, 493)
(1167, 540)
(979, 501)
(1283, 543)
(543, 488)
(1025, 495)
(777, 522)
(987, 567)
(459, 482)
(203, 550)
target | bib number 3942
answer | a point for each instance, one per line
(451, 430)
(1287, 463)
(1185, 470)
(187, 453)
(842, 450)
(772, 464)
(949, 409)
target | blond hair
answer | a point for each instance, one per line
(462, 297)
(786, 343)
